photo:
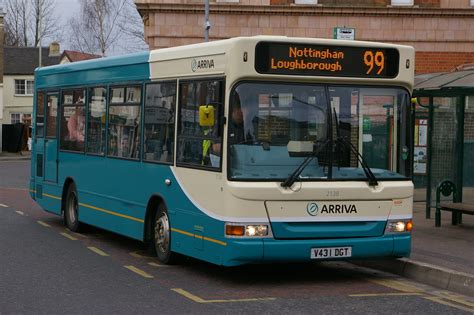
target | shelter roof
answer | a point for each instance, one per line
(445, 81)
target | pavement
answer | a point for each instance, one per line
(9, 156)
(442, 257)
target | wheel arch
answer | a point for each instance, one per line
(153, 203)
(66, 185)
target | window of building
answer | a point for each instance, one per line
(15, 118)
(200, 146)
(160, 102)
(472, 2)
(402, 2)
(24, 87)
(96, 123)
(124, 122)
(306, 1)
(73, 120)
(51, 115)
(39, 114)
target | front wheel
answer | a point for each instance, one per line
(162, 237)
(71, 211)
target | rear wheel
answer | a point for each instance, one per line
(71, 211)
(162, 236)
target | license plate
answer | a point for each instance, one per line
(331, 252)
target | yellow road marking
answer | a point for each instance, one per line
(199, 236)
(385, 294)
(111, 212)
(72, 238)
(51, 196)
(441, 301)
(74, 233)
(3, 206)
(137, 254)
(20, 212)
(139, 272)
(397, 285)
(456, 298)
(197, 299)
(98, 251)
(157, 265)
(44, 224)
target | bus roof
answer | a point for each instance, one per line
(103, 70)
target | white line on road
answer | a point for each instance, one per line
(3, 206)
(20, 212)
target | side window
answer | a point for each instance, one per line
(124, 122)
(96, 120)
(51, 115)
(73, 120)
(40, 114)
(160, 102)
(199, 144)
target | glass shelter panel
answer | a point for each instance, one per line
(443, 147)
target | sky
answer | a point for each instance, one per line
(67, 9)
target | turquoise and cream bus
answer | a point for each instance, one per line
(250, 149)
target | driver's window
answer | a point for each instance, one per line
(199, 142)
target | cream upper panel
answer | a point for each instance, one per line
(235, 58)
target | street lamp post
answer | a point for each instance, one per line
(207, 24)
(39, 32)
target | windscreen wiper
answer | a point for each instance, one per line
(297, 172)
(368, 172)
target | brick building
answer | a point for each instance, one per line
(440, 30)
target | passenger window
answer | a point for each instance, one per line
(40, 114)
(96, 121)
(73, 120)
(160, 102)
(199, 145)
(51, 115)
(124, 123)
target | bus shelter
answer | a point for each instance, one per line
(444, 133)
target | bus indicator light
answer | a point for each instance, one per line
(235, 230)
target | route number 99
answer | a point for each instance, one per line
(375, 60)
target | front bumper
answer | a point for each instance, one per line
(271, 250)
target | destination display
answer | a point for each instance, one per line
(326, 60)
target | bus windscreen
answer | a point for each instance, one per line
(326, 60)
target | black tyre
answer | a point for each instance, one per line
(162, 237)
(71, 209)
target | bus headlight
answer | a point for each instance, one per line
(248, 230)
(256, 230)
(399, 226)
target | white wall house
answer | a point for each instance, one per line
(19, 64)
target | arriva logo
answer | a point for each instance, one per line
(312, 208)
(202, 64)
(194, 65)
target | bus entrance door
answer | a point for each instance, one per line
(51, 139)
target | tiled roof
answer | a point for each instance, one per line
(74, 56)
(24, 60)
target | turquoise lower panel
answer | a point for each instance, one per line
(241, 252)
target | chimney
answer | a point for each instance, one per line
(54, 49)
